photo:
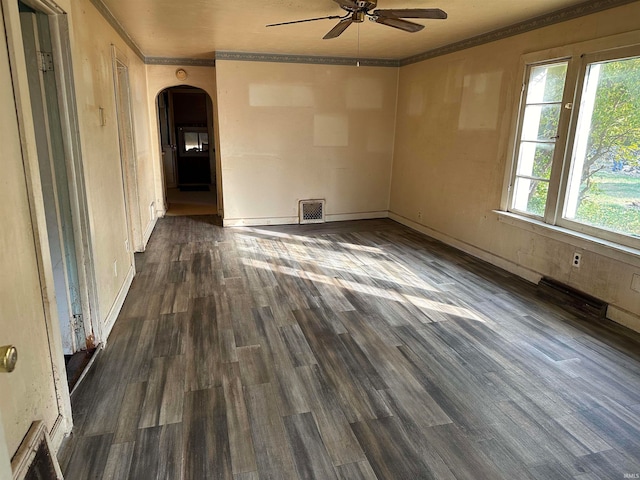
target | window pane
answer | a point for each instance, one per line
(535, 159)
(546, 83)
(204, 142)
(530, 196)
(604, 183)
(191, 143)
(540, 122)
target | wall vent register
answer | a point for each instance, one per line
(312, 211)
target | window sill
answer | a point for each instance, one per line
(615, 251)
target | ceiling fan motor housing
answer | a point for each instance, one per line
(367, 4)
(359, 6)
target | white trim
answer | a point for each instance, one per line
(128, 149)
(87, 367)
(75, 175)
(30, 161)
(341, 217)
(257, 222)
(508, 265)
(117, 304)
(614, 251)
(57, 434)
(623, 317)
(149, 230)
(45, 6)
(5, 462)
(28, 449)
(334, 217)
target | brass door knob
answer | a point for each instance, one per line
(8, 358)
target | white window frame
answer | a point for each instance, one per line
(577, 56)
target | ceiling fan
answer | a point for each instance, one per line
(357, 10)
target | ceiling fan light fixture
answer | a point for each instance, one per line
(358, 10)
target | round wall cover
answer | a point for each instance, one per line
(181, 74)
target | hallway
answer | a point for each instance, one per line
(348, 350)
(194, 202)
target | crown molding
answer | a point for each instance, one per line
(586, 8)
(117, 26)
(192, 62)
(308, 59)
(558, 16)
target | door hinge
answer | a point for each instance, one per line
(45, 61)
(77, 322)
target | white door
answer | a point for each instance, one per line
(36, 388)
(53, 177)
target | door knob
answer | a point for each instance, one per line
(8, 358)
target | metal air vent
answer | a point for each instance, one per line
(312, 211)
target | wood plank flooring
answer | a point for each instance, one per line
(357, 350)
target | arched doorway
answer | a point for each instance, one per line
(185, 119)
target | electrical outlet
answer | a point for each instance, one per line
(635, 283)
(419, 215)
(126, 244)
(576, 259)
(115, 268)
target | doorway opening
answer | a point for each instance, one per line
(185, 119)
(60, 181)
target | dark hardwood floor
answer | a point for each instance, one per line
(357, 350)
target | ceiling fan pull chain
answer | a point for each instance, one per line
(358, 55)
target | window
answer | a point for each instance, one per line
(577, 149)
(193, 141)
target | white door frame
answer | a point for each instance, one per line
(5, 462)
(128, 155)
(71, 140)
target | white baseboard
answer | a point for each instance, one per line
(61, 428)
(335, 217)
(342, 217)
(508, 265)
(258, 222)
(623, 317)
(117, 305)
(149, 231)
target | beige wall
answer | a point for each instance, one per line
(455, 115)
(28, 317)
(92, 40)
(290, 132)
(145, 159)
(160, 77)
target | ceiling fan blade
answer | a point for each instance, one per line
(434, 13)
(303, 21)
(399, 23)
(338, 29)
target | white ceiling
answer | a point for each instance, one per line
(199, 28)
